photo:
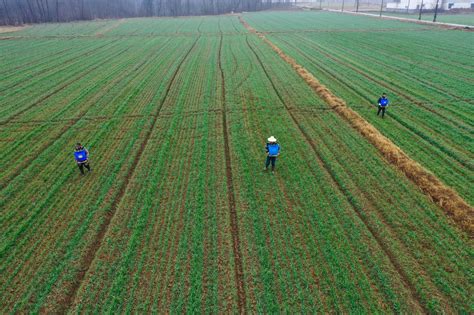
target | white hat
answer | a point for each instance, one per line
(272, 139)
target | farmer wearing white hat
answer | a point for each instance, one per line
(273, 150)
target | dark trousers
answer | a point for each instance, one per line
(81, 166)
(271, 159)
(381, 109)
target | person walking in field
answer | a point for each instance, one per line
(272, 149)
(383, 103)
(81, 155)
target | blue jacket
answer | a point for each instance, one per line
(383, 102)
(273, 149)
(81, 155)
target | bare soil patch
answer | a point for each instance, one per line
(11, 29)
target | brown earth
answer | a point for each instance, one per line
(11, 29)
(238, 265)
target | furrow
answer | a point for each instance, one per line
(392, 257)
(445, 197)
(239, 277)
(92, 251)
(72, 122)
(60, 88)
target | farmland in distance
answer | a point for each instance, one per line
(178, 215)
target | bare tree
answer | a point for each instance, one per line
(57, 10)
(6, 18)
(39, 11)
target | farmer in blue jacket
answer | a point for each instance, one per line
(273, 150)
(81, 155)
(383, 103)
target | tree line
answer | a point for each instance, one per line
(17, 12)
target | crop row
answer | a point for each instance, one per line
(183, 26)
(57, 60)
(19, 55)
(176, 252)
(58, 214)
(429, 117)
(322, 21)
(178, 215)
(34, 92)
(353, 172)
(27, 139)
(140, 27)
(73, 28)
(443, 17)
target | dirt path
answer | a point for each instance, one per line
(239, 277)
(11, 29)
(443, 196)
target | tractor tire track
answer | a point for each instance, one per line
(445, 197)
(103, 228)
(238, 264)
(299, 231)
(392, 257)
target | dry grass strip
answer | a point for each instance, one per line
(11, 29)
(445, 197)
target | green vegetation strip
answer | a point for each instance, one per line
(444, 196)
(335, 229)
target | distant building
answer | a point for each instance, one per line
(413, 5)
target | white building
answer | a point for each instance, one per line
(411, 5)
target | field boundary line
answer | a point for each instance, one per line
(103, 228)
(445, 197)
(238, 265)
